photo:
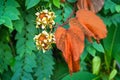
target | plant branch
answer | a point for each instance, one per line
(70, 16)
(12, 47)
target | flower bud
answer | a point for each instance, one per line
(96, 62)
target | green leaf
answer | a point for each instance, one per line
(8, 22)
(84, 54)
(25, 47)
(91, 50)
(1, 10)
(19, 24)
(98, 47)
(112, 74)
(13, 3)
(6, 36)
(6, 75)
(1, 2)
(112, 45)
(96, 63)
(117, 8)
(117, 77)
(109, 5)
(104, 76)
(31, 3)
(2, 21)
(11, 12)
(45, 65)
(59, 16)
(82, 75)
(115, 19)
(60, 69)
(72, 1)
(5, 56)
(67, 10)
(116, 1)
(56, 3)
(17, 70)
(29, 62)
(83, 66)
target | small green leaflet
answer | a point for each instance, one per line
(56, 3)
(31, 3)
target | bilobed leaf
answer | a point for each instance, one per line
(98, 4)
(92, 5)
(71, 43)
(30, 3)
(91, 24)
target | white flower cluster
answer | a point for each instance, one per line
(45, 18)
(44, 39)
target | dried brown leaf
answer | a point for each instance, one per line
(92, 5)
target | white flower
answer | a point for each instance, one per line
(45, 41)
(37, 26)
(43, 26)
(53, 22)
(45, 18)
(49, 40)
(37, 13)
(45, 11)
(38, 23)
(45, 32)
(43, 45)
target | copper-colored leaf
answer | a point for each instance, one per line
(91, 24)
(71, 43)
(60, 36)
(98, 4)
(77, 37)
(62, 1)
(93, 5)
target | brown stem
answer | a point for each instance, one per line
(67, 20)
(12, 47)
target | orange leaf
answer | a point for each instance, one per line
(92, 24)
(93, 5)
(60, 36)
(71, 43)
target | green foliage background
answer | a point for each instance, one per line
(20, 60)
